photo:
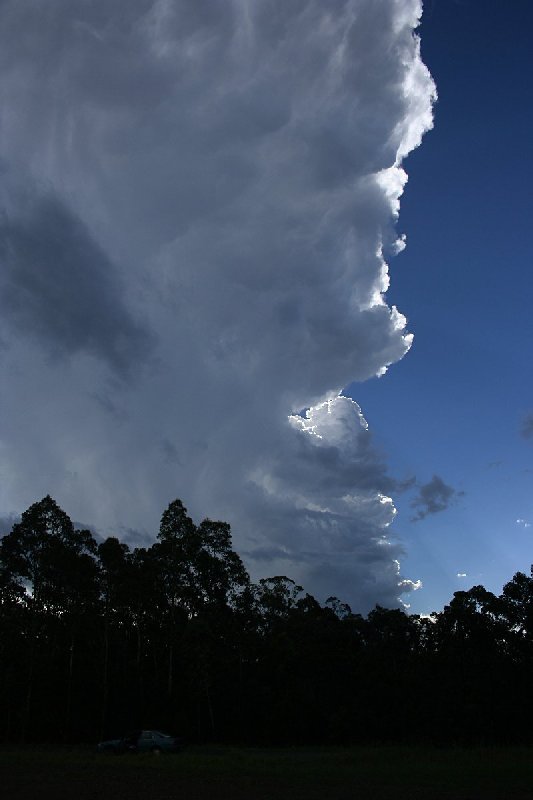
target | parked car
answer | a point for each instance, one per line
(142, 742)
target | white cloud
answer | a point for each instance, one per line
(523, 523)
(228, 176)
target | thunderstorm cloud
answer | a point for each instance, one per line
(198, 199)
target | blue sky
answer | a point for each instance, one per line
(454, 405)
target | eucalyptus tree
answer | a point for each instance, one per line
(517, 608)
(115, 600)
(13, 655)
(54, 569)
(199, 581)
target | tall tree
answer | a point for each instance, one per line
(55, 564)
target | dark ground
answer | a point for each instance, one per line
(213, 773)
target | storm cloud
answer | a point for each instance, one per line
(199, 201)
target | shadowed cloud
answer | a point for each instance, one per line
(433, 497)
(59, 288)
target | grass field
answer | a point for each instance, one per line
(270, 774)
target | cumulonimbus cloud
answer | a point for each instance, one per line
(216, 187)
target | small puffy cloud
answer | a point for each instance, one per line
(461, 575)
(526, 428)
(433, 497)
(523, 523)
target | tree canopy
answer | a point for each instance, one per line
(97, 638)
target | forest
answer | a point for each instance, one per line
(97, 638)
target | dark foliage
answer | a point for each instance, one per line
(96, 639)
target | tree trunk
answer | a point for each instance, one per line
(68, 709)
(210, 709)
(105, 684)
(140, 686)
(170, 670)
(29, 693)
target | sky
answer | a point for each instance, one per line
(201, 205)
(457, 406)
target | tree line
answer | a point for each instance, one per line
(97, 638)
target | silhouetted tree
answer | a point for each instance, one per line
(55, 566)
(98, 638)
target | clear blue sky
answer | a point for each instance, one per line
(455, 405)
